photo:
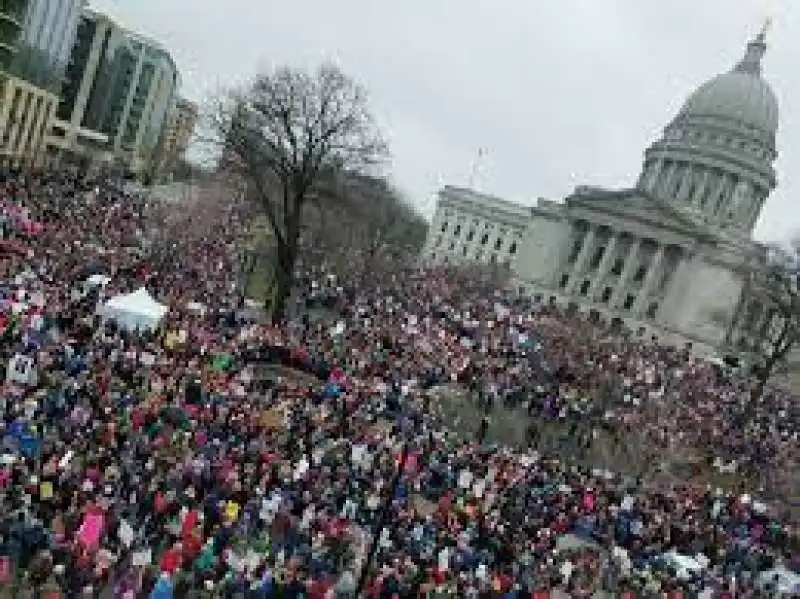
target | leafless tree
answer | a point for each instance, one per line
(770, 310)
(382, 218)
(285, 135)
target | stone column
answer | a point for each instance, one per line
(754, 210)
(713, 199)
(631, 262)
(666, 181)
(583, 257)
(700, 189)
(726, 187)
(650, 281)
(653, 175)
(605, 265)
(685, 182)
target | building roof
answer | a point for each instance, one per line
(740, 95)
(471, 195)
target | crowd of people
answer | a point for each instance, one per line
(174, 461)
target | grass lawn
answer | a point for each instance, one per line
(259, 240)
(259, 282)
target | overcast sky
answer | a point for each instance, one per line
(559, 93)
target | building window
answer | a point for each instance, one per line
(563, 282)
(585, 287)
(484, 239)
(619, 264)
(629, 299)
(471, 234)
(444, 226)
(498, 244)
(513, 248)
(651, 310)
(478, 256)
(606, 295)
(457, 232)
(452, 246)
(464, 251)
(493, 258)
(641, 272)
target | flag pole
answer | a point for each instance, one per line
(474, 171)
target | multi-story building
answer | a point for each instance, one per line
(181, 123)
(12, 21)
(147, 107)
(35, 37)
(47, 39)
(119, 89)
(473, 227)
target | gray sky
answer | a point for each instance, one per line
(559, 93)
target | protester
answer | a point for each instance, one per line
(164, 463)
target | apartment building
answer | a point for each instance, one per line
(35, 38)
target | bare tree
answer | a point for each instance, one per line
(769, 311)
(383, 220)
(285, 135)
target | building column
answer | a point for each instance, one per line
(666, 181)
(650, 281)
(651, 176)
(683, 188)
(583, 257)
(605, 265)
(753, 210)
(713, 199)
(631, 262)
(700, 189)
(726, 187)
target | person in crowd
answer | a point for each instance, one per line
(171, 458)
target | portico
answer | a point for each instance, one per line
(616, 268)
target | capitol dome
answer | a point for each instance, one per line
(715, 158)
(741, 95)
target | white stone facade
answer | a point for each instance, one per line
(670, 254)
(628, 256)
(472, 227)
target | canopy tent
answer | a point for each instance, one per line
(137, 310)
(780, 580)
(685, 566)
(98, 280)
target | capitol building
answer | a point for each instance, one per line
(673, 252)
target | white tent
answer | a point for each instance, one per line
(98, 280)
(137, 310)
(685, 565)
(780, 580)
